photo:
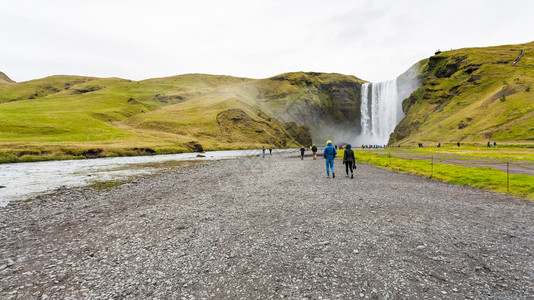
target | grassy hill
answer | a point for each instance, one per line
(4, 80)
(472, 96)
(467, 95)
(74, 116)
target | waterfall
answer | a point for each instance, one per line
(381, 111)
(365, 117)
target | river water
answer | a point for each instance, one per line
(21, 181)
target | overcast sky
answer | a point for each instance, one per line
(373, 40)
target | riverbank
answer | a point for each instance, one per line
(264, 228)
(22, 181)
(35, 152)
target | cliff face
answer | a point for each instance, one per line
(329, 104)
(472, 95)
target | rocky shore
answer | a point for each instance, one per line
(254, 228)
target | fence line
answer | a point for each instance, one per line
(483, 163)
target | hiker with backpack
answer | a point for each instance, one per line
(329, 154)
(349, 161)
(314, 150)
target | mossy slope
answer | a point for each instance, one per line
(472, 95)
(327, 103)
(4, 79)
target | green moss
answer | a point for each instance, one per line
(479, 84)
(478, 177)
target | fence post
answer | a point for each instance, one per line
(432, 166)
(508, 176)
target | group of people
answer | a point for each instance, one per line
(458, 144)
(330, 153)
(349, 161)
(263, 151)
(373, 146)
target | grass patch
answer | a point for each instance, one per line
(499, 153)
(478, 177)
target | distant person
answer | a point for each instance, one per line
(489, 145)
(349, 160)
(336, 147)
(458, 144)
(302, 153)
(439, 145)
(314, 150)
(263, 151)
(270, 151)
(495, 144)
(329, 154)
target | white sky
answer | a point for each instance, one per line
(374, 40)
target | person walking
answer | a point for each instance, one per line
(263, 151)
(349, 160)
(314, 150)
(270, 151)
(302, 153)
(329, 154)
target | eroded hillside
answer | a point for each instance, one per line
(472, 95)
(71, 116)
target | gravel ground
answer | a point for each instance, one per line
(255, 228)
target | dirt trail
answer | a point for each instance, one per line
(258, 228)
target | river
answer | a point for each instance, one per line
(22, 181)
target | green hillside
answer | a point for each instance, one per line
(4, 80)
(472, 96)
(74, 116)
(467, 95)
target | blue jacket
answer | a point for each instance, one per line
(329, 152)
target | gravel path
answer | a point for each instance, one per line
(257, 228)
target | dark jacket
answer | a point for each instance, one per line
(348, 156)
(314, 149)
(329, 152)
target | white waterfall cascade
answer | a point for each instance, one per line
(381, 111)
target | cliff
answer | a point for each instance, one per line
(472, 95)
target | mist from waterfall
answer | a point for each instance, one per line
(379, 113)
